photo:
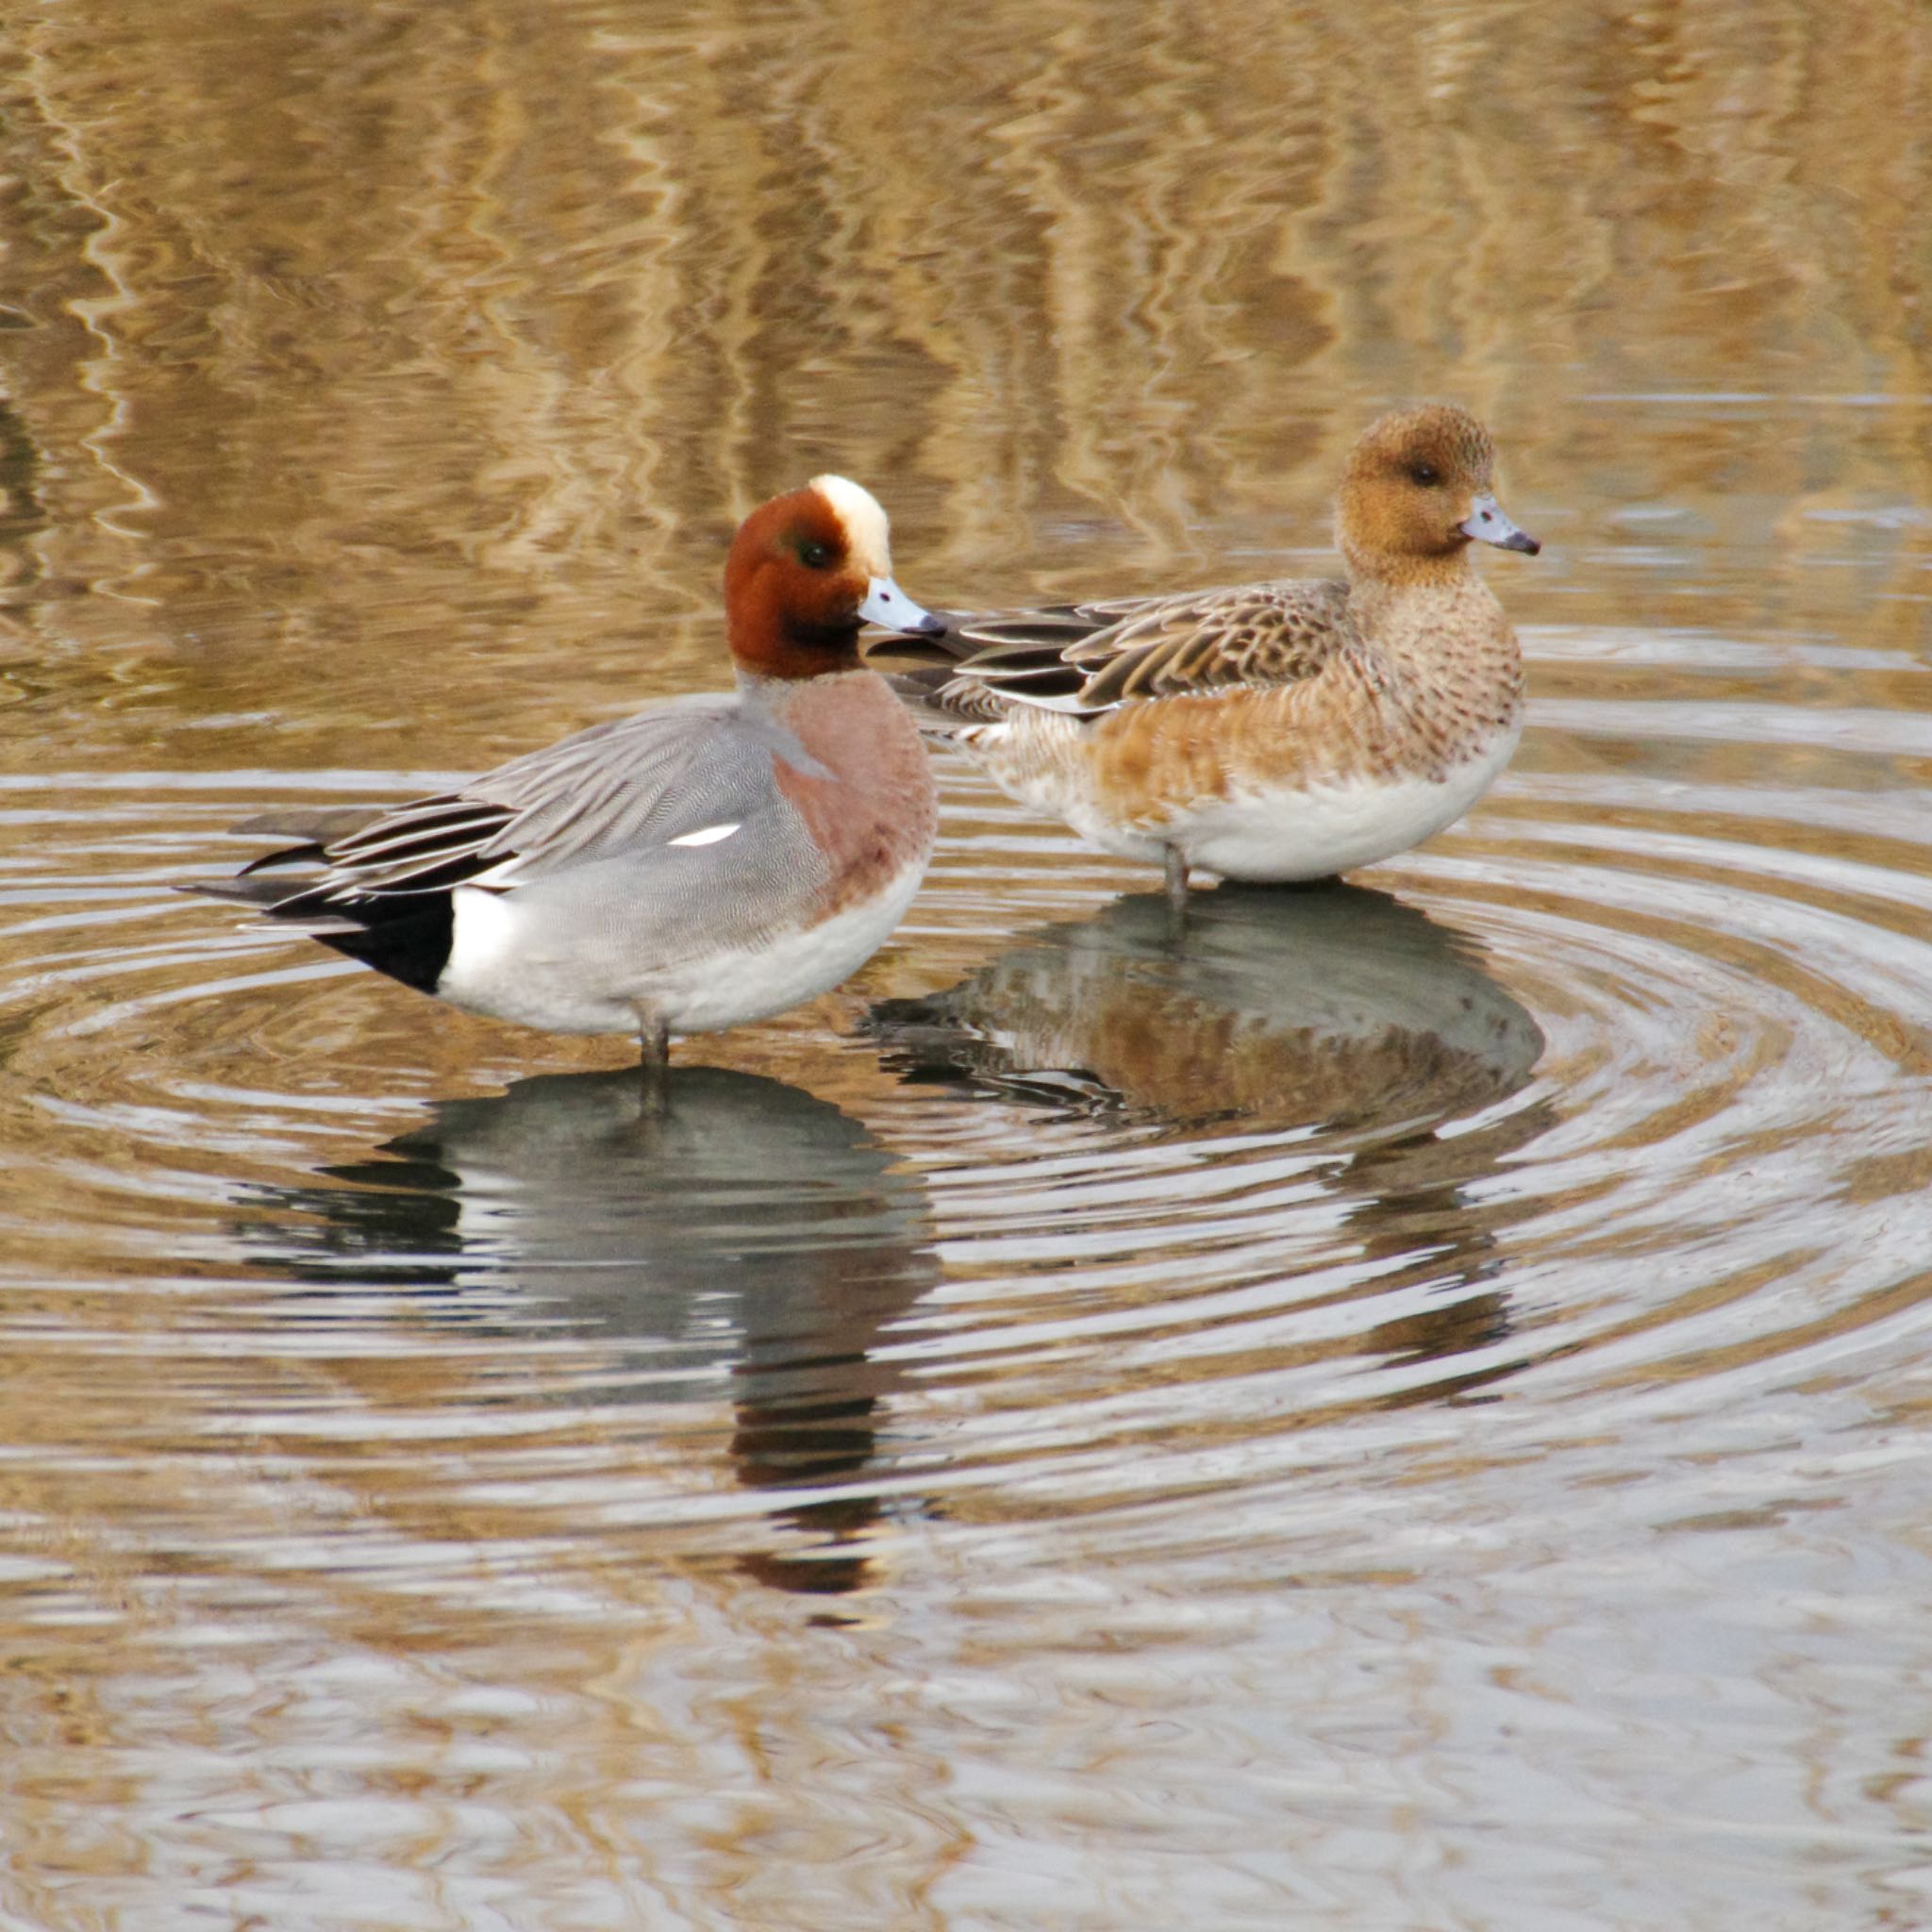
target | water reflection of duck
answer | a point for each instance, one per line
(736, 1224)
(1334, 1012)
(1331, 1007)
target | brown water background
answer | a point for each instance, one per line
(1410, 1412)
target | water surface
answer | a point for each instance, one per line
(1402, 1407)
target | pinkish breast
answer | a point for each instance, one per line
(876, 813)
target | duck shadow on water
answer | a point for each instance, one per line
(1332, 1015)
(735, 1227)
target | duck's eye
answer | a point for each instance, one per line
(815, 556)
(1426, 474)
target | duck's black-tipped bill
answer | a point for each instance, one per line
(889, 606)
(1487, 523)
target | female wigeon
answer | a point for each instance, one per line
(1273, 731)
(711, 860)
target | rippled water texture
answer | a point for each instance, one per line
(1404, 1409)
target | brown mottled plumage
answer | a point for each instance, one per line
(1267, 731)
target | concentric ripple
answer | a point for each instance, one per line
(1617, 1093)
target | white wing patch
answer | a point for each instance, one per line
(708, 835)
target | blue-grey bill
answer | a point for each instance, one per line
(889, 606)
(1487, 523)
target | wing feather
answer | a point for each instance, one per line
(643, 779)
(1087, 658)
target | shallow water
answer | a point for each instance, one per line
(1406, 1409)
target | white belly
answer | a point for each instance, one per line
(1285, 834)
(514, 965)
(1261, 833)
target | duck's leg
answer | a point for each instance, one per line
(654, 1036)
(1176, 869)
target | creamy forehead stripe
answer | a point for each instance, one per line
(865, 523)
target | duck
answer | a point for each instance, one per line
(1274, 732)
(711, 860)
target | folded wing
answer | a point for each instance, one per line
(1083, 659)
(638, 782)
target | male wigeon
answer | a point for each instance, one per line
(1273, 731)
(711, 860)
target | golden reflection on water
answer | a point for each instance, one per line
(456, 328)
(1057, 1431)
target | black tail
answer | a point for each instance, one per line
(406, 935)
